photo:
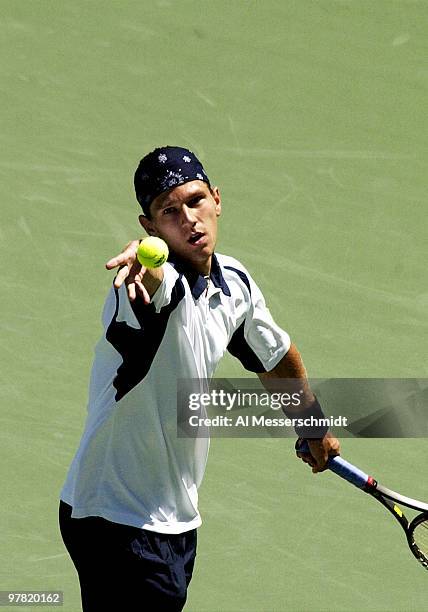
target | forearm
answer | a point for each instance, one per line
(289, 377)
(321, 442)
(151, 279)
(291, 366)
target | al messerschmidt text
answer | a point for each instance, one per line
(263, 421)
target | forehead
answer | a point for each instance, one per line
(179, 194)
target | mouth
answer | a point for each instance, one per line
(196, 238)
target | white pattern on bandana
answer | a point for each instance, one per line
(171, 179)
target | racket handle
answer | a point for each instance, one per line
(342, 468)
(349, 472)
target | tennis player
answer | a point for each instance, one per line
(129, 506)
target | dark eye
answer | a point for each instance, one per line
(195, 201)
(168, 210)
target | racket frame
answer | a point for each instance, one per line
(387, 497)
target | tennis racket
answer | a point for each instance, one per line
(416, 531)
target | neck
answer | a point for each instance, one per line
(201, 267)
(204, 268)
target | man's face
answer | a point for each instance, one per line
(186, 218)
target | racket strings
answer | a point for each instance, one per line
(420, 537)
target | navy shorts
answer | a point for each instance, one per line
(125, 568)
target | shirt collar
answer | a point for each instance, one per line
(197, 282)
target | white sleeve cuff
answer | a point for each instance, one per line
(278, 354)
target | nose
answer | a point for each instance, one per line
(188, 215)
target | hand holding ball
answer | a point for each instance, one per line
(152, 252)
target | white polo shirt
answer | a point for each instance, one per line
(130, 466)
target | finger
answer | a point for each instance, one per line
(334, 448)
(115, 261)
(131, 291)
(298, 444)
(127, 255)
(136, 288)
(303, 455)
(306, 458)
(118, 260)
(320, 463)
(121, 276)
(316, 469)
(142, 291)
(131, 280)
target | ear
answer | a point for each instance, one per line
(217, 199)
(148, 225)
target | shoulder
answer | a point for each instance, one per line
(227, 261)
(234, 271)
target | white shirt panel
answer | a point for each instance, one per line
(130, 466)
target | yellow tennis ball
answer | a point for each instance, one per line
(152, 252)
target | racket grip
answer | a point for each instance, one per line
(349, 472)
(342, 468)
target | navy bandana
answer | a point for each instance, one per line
(163, 169)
